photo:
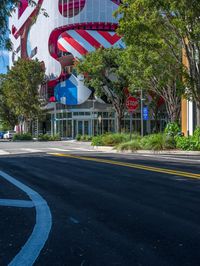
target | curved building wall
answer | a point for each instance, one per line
(72, 27)
(60, 14)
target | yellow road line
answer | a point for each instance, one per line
(131, 165)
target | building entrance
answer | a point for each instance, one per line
(81, 127)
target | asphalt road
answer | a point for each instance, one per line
(99, 213)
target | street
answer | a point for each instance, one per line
(64, 203)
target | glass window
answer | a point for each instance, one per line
(105, 114)
(69, 115)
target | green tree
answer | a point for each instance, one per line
(159, 24)
(155, 71)
(103, 71)
(19, 90)
(154, 51)
(8, 118)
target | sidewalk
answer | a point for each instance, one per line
(112, 149)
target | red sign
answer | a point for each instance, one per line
(132, 103)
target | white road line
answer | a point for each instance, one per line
(170, 158)
(30, 150)
(16, 203)
(2, 152)
(32, 248)
(58, 149)
(82, 149)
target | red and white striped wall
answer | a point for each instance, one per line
(79, 42)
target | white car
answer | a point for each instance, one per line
(9, 134)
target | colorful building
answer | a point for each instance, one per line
(71, 29)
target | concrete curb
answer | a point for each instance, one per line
(177, 152)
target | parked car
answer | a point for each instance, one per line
(1, 134)
(9, 134)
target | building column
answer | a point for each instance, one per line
(187, 117)
(184, 116)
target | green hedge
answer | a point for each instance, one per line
(191, 143)
(151, 142)
(172, 129)
(110, 139)
(83, 137)
(161, 141)
(47, 137)
(132, 145)
(25, 136)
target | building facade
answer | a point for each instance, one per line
(57, 32)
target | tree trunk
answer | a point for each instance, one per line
(119, 123)
(120, 115)
(173, 111)
(198, 115)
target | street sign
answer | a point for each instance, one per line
(145, 113)
(132, 103)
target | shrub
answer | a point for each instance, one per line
(110, 139)
(24, 136)
(153, 142)
(197, 134)
(114, 139)
(97, 141)
(187, 143)
(169, 142)
(86, 138)
(78, 137)
(47, 137)
(55, 137)
(132, 145)
(172, 129)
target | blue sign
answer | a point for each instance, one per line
(145, 113)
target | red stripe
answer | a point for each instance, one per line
(61, 48)
(74, 43)
(91, 40)
(111, 39)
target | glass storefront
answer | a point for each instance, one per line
(71, 124)
(86, 122)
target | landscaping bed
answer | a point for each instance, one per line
(171, 139)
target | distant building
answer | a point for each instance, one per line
(71, 29)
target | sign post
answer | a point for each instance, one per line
(131, 104)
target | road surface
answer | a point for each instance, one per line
(80, 207)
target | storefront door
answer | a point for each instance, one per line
(82, 127)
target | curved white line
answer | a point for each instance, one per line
(32, 248)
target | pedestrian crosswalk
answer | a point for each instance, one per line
(42, 150)
(2, 152)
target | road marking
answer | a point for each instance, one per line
(73, 220)
(71, 150)
(58, 149)
(131, 165)
(30, 150)
(2, 152)
(82, 149)
(32, 248)
(17, 203)
(171, 158)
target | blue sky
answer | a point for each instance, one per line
(3, 61)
